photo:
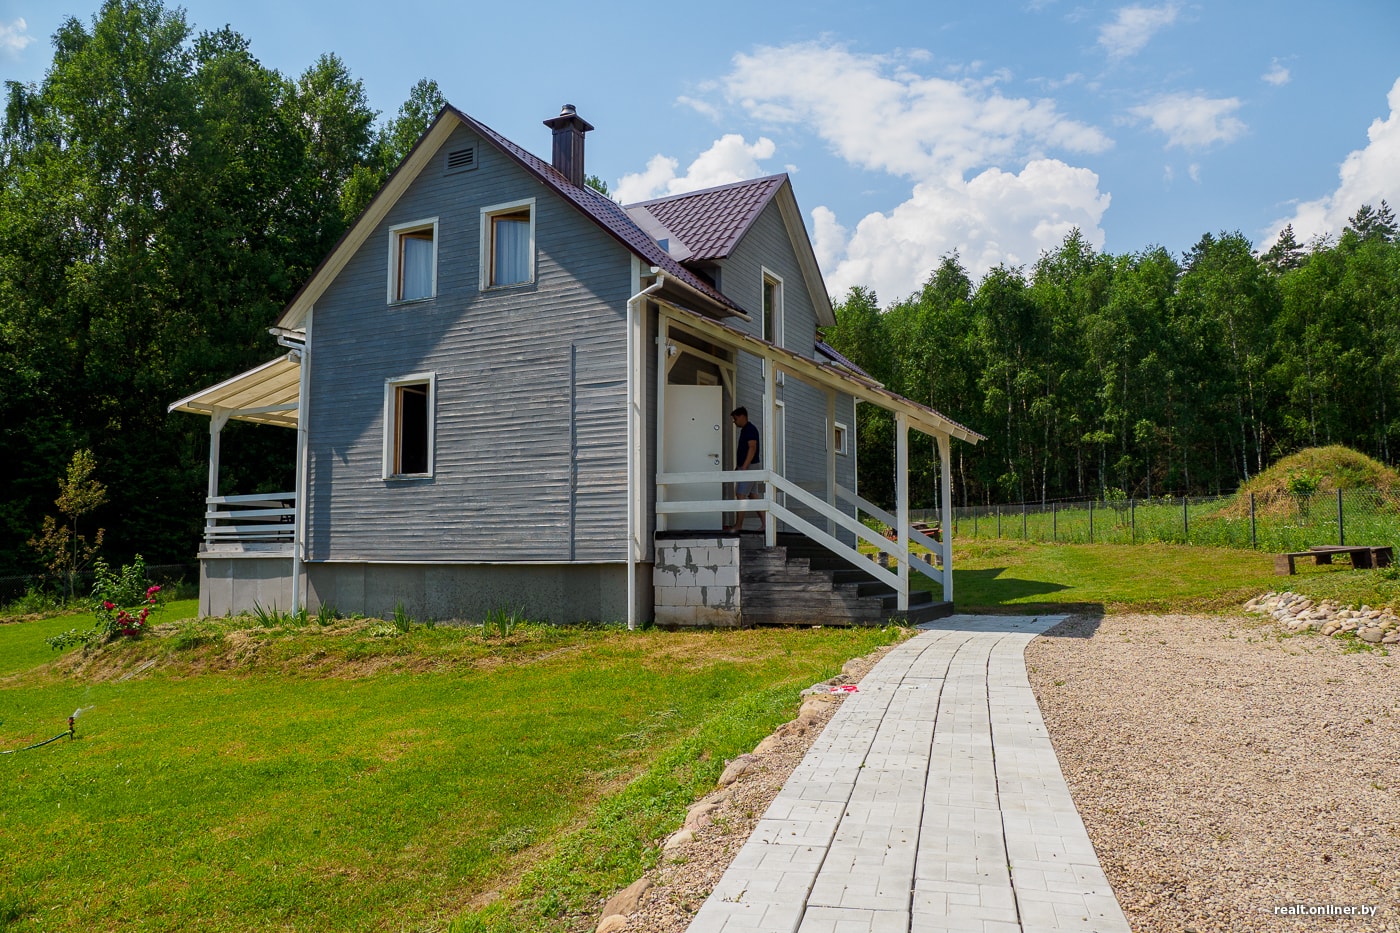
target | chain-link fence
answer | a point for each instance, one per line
(1278, 523)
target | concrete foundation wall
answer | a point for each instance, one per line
(696, 581)
(229, 585)
(560, 593)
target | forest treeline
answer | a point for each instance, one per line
(1093, 374)
(163, 194)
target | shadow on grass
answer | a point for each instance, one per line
(987, 591)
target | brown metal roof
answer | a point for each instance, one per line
(711, 222)
(606, 212)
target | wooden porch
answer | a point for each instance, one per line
(834, 519)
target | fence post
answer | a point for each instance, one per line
(1091, 521)
(1185, 523)
(974, 521)
(1253, 534)
(998, 523)
(1341, 532)
(1054, 522)
(1132, 518)
(1023, 521)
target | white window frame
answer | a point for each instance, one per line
(509, 207)
(396, 233)
(768, 275)
(391, 432)
(842, 448)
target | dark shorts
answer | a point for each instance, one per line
(754, 488)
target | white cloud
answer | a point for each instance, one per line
(1193, 121)
(1367, 176)
(729, 159)
(1277, 75)
(1135, 25)
(995, 217)
(14, 37)
(1194, 170)
(877, 113)
(982, 181)
(702, 107)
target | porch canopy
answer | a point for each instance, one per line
(797, 507)
(266, 394)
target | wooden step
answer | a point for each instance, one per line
(800, 582)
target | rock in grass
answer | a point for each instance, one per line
(737, 769)
(626, 901)
(613, 924)
(1371, 635)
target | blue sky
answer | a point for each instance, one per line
(910, 129)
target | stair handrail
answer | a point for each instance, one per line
(824, 509)
(835, 546)
(915, 535)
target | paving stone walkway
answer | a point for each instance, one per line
(932, 801)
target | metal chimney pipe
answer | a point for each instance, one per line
(568, 129)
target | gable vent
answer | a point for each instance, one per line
(461, 160)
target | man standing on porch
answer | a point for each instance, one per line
(746, 455)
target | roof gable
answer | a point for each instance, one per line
(599, 208)
(710, 223)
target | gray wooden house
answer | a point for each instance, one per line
(510, 391)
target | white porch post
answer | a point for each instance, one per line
(901, 492)
(947, 507)
(831, 457)
(300, 507)
(663, 331)
(217, 420)
(770, 450)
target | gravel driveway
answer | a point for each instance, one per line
(1225, 772)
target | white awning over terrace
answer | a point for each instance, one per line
(266, 394)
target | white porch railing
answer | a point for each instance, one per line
(265, 518)
(897, 551)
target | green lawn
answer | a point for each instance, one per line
(999, 576)
(272, 781)
(230, 777)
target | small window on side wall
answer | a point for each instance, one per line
(838, 438)
(508, 244)
(409, 404)
(413, 261)
(772, 308)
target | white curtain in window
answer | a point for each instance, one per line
(512, 259)
(417, 267)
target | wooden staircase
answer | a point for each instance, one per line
(800, 582)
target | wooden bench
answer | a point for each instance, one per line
(1363, 557)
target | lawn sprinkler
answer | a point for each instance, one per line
(70, 733)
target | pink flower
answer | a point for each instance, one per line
(152, 591)
(108, 604)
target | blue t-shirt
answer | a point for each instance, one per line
(748, 432)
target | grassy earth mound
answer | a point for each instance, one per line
(1325, 470)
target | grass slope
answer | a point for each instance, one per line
(229, 789)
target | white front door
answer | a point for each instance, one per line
(694, 443)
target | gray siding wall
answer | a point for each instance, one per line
(767, 246)
(531, 387)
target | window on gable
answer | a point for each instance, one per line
(408, 426)
(838, 438)
(508, 244)
(772, 308)
(413, 261)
